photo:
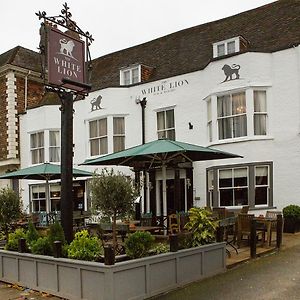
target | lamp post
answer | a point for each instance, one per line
(64, 57)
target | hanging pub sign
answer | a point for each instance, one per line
(65, 59)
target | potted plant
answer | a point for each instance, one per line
(291, 214)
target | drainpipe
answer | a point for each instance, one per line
(26, 89)
(143, 103)
(297, 49)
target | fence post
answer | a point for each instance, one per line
(253, 239)
(279, 231)
(57, 249)
(109, 255)
(173, 242)
(22, 245)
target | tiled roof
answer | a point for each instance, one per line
(21, 57)
(269, 28)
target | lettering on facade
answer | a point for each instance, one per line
(229, 71)
(164, 87)
(65, 59)
(96, 103)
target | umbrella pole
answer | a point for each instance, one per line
(47, 190)
(164, 190)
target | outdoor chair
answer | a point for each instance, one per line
(272, 214)
(244, 228)
(174, 224)
(221, 212)
(146, 219)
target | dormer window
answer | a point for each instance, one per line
(130, 75)
(226, 47)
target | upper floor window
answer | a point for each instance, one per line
(98, 137)
(226, 47)
(45, 146)
(54, 146)
(237, 115)
(166, 124)
(232, 119)
(119, 133)
(37, 147)
(130, 75)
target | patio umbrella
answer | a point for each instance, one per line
(160, 153)
(45, 171)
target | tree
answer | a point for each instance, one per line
(10, 208)
(113, 194)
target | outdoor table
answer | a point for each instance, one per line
(267, 222)
(225, 224)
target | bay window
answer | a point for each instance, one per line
(119, 134)
(37, 147)
(260, 113)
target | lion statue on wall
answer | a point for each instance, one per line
(230, 70)
(66, 47)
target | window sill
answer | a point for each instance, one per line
(241, 139)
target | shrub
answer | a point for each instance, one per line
(201, 226)
(139, 244)
(292, 211)
(41, 246)
(85, 247)
(160, 248)
(13, 239)
(32, 234)
(56, 233)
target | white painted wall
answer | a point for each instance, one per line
(279, 73)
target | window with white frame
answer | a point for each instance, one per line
(38, 197)
(232, 117)
(209, 120)
(261, 185)
(45, 146)
(98, 137)
(260, 112)
(244, 184)
(130, 75)
(226, 47)
(54, 146)
(166, 124)
(233, 186)
(37, 147)
(119, 134)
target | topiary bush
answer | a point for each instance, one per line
(41, 246)
(84, 247)
(56, 233)
(292, 211)
(139, 244)
(32, 234)
(13, 239)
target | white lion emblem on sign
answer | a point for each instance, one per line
(66, 47)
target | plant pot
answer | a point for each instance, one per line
(291, 225)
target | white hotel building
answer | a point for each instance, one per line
(232, 84)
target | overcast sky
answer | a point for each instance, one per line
(114, 24)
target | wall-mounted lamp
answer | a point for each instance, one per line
(191, 125)
(188, 183)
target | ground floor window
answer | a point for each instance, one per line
(247, 184)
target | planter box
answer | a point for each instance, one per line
(291, 225)
(134, 279)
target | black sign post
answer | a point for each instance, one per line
(64, 73)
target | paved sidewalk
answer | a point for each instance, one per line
(276, 276)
